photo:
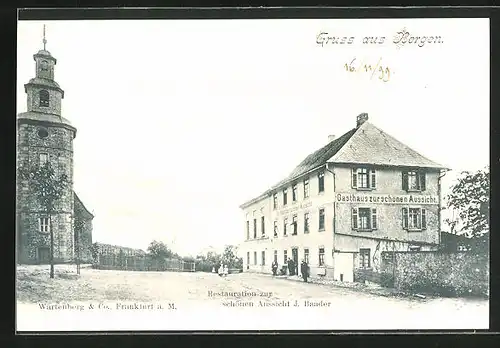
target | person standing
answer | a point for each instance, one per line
(291, 267)
(275, 267)
(304, 269)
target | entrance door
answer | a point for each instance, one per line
(295, 257)
(43, 255)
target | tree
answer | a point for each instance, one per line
(470, 198)
(94, 250)
(159, 250)
(48, 189)
(229, 257)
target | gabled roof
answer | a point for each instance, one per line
(365, 144)
(372, 145)
(79, 202)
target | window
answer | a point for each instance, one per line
(254, 257)
(285, 198)
(414, 248)
(306, 188)
(294, 192)
(44, 98)
(321, 182)
(254, 228)
(294, 225)
(44, 158)
(263, 258)
(364, 219)
(42, 133)
(306, 255)
(275, 201)
(276, 228)
(363, 178)
(285, 256)
(44, 225)
(414, 219)
(285, 222)
(275, 258)
(321, 219)
(364, 258)
(248, 258)
(321, 255)
(44, 65)
(306, 223)
(263, 226)
(248, 229)
(414, 180)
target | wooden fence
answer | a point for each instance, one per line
(142, 263)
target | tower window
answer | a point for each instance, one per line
(44, 98)
(42, 133)
(44, 65)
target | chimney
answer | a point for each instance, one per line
(331, 138)
(361, 119)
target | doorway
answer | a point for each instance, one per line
(43, 255)
(295, 257)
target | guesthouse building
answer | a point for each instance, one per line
(344, 205)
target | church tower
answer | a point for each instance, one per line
(44, 135)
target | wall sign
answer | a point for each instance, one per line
(294, 208)
(378, 198)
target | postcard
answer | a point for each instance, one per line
(252, 174)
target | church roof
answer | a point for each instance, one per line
(45, 54)
(365, 144)
(42, 117)
(78, 202)
(44, 82)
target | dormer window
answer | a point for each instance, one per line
(44, 65)
(44, 98)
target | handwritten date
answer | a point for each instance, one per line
(374, 70)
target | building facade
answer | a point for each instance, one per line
(346, 203)
(43, 135)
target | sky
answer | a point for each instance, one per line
(180, 122)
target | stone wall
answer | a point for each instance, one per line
(59, 148)
(459, 273)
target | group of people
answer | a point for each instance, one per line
(222, 270)
(304, 268)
